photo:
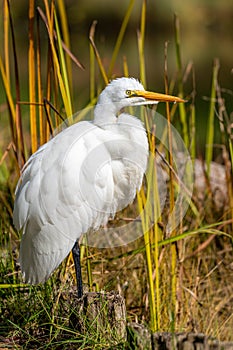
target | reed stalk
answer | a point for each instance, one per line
(149, 234)
(120, 37)
(193, 122)
(92, 63)
(17, 130)
(32, 77)
(149, 261)
(172, 201)
(66, 38)
(210, 124)
(63, 66)
(42, 134)
(141, 44)
(156, 237)
(97, 55)
(183, 116)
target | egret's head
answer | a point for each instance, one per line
(124, 92)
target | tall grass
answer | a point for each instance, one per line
(210, 126)
(174, 294)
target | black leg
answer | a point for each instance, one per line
(76, 257)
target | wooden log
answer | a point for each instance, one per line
(101, 315)
(187, 341)
(180, 341)
(139, 337)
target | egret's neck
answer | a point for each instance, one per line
(105, 114)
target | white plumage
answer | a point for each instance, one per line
(80, 178)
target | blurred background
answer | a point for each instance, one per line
(206, 28)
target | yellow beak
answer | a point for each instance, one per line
(148, 95)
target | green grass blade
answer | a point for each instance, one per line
(32, 77)
(183, 116)
(120, 37)
(39, 85)
(6, 39)
(141, 45)
(193, 120)
(208, 229)
(210, 124)
(66, 36)
(63, 66)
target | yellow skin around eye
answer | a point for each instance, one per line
(130, 93)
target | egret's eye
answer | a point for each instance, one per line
(128, 93)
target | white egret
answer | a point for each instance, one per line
(80, 178)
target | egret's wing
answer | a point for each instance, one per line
(61, 194)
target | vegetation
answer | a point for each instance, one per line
(173, 281)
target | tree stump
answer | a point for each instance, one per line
(101, 315)
(139, 337)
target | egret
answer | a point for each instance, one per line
(81, 178)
